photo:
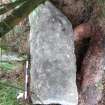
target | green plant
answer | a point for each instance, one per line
(2, 50)
(7, 95)
(6, 66)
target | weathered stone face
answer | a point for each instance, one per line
(53, 67)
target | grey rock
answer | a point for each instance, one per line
(53, 62)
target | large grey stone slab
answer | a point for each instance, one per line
(53, 62)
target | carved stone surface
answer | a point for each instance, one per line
(53, 63)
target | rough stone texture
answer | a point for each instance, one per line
(53, 63)
(93, 68)
(78, 11)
